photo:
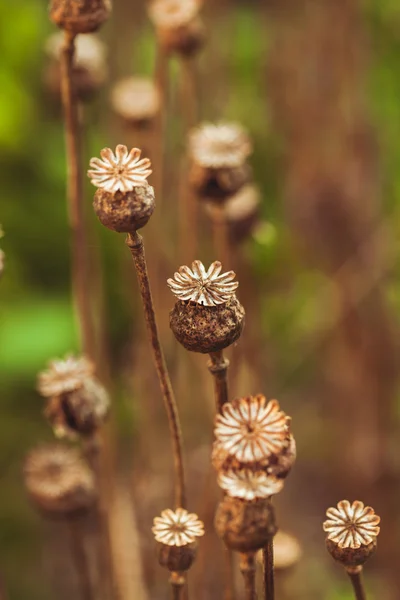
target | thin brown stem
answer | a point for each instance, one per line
(135, 243)
(177, 581)
(218, 367)
(357, 583)
(248, 570)
(221, 236)
(79, 557)
(79, 254)
(268, 564)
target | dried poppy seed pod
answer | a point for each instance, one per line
(245, 526)
(136, 101)
(178, 25)
(89, 70)
(79, 16)
(58, 481)
(124, 201)
(240, 212)
(77, 403)
(253, 433)
(176, 533)
(80, 412)
(207, 317)
(218, 154)
(352, 532)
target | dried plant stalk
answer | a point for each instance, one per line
(76, 539)
(177, 582)
(218, 367)
(135, 243)
(357, 583)
(268, 566)
(248, 569)
(79, 255)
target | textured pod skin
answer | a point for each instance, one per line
(125, 212)
(81, 411)
(207, 329)
(245, 526)
(186, 40)
(351, 557)
(79, 16)
(177, 558)
(218, 184)
(276, 465)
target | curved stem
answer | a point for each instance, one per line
(135, 243)
(248, 569)
(218, 367)
(79, 255)
(357, 583)
(268, 563)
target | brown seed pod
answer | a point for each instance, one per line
(178, 25)
(218, 184)
(207, 329)
(240, 212)
(89, 70)
(351, 557)
(351, 530)
(245, 526)
(177, 558)
(136, 101)
(58, 481)
(125, 212)
(80, 412)
(79, 16)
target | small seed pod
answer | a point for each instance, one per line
(352, 531)
(178, 26)
(207, 317)
(245, 526)
(218, 156)
(136, 101)
(177, 558)
(89, 68)
(240, 212)
(124, 201)
(80, 412)
(79, 16)
(176, 533)
(58, 481)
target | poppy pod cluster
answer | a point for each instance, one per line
(253, 452)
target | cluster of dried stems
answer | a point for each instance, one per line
(253, 449)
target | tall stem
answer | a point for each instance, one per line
(79, 255)
(76, 537)
(135, 243)
(248, 569)
(218, 367)
(357, 583)
(268, 563)
(221, 236)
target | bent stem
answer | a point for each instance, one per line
(268, 564)
(79, 255)
(357, 583)
(248, 570)
(135, 243)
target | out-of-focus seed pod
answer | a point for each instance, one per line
(79, 16)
